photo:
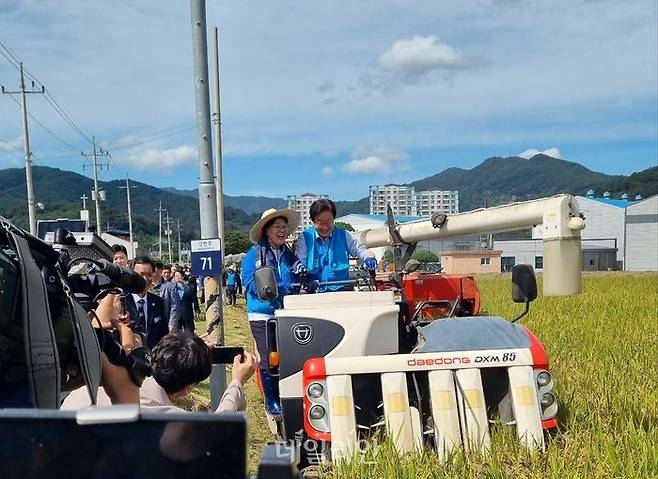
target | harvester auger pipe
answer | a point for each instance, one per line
(559, 216)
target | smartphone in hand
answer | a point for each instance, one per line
(225, 354)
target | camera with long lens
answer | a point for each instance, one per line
(90, 281)
(47, 342)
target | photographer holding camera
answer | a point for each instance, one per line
(180, 362)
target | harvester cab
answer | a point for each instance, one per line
(351, 363)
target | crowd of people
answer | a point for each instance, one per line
(161, 317)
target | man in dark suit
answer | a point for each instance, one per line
(147, 309)
(186, 302)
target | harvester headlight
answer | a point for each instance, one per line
(543, 378)
(317, 412)
(547, 400)
(315, 390)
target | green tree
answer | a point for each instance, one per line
(345, 226)
(236, 241)
(388, 256)
(425, 256)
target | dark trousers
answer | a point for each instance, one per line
(258, 332)
(230, 294)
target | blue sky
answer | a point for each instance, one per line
(331, 97)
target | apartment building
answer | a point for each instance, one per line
(428, 202)
(404, 200)
(301, 204)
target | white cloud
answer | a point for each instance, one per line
(382, 160)
(12, 151)
(161, 159)
(420, 55)
(327, 171)
(553, 152)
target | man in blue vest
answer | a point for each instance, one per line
(325, 249)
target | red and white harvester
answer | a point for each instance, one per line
(407, 352)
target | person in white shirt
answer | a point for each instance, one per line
(180, 362)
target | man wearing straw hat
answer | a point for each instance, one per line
(269, 235)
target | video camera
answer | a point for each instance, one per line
(47, 342)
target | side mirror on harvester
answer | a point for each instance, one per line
(411, 266)
(266, 283)
(524, 286)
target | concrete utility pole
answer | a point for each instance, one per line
(159, 210)
(130, 216)
(178, 220)
(207, 193)
(97, 195)
(219, 180)
(168, 221)
(207, 203)
(31, 210)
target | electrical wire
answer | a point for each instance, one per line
(45, 128)
(152, 137)
(13, 60)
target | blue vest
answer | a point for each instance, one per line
(332, 264)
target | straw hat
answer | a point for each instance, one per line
(257, 232)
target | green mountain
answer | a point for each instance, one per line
(496, 180)
(349, 207)
(60, 191)
(500, 180)
(248, 204)
(643, 182)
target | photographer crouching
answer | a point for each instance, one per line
(180, 361)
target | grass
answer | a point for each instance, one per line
(237, 333)
(603, 346)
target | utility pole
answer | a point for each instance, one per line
(207, 192)
(219, 180)
(130, 217)
(160, 210)
(178, 220)
(97, 195)
(31, 210)
(84, 212)
(168, 221)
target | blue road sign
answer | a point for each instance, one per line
(206, 257)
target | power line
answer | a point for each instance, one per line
(152, 137)
(120, 146)
(115, 167)
(46, 128)
(61, 112)
(13, 59)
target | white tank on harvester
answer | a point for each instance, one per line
(408, 352)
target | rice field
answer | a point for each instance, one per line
(603, 347)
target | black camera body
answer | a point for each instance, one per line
(46, 339)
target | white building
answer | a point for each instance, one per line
(405, 201)
(428, 202)
(301, 204)
(642, 235)
(597, 254)
(402, 199)
(619, 235)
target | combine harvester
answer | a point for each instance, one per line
(352, 362)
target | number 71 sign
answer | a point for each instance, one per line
(206, 257)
